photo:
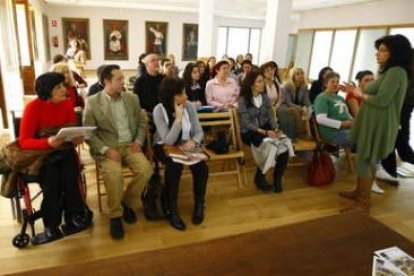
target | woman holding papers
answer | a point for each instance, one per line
(177, 124)
(260, 131)
(59, 175)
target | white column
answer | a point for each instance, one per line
(205, 28)
(276, 31)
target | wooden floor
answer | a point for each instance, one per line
(229, 211)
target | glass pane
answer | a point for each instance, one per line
(365, 55)
(342, 52)
(303, 50)
(408, 32)
(254, 45)
(238, 42)
(320, 52)
(221, 41)
(22, 32)
(290, 50)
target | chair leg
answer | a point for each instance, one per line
(239, 177)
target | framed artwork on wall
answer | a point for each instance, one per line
(190, 41)
(156, 38)
(76, 36)
(115, 39)
(46, 37)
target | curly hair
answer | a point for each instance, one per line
(45, 84)
(187, 74)
(400, 51)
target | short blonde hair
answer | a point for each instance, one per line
(64, 69)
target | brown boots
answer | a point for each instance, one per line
(361, 195)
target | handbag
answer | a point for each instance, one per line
(221, 145)
(321, 171)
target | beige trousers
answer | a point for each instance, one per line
(114, 180)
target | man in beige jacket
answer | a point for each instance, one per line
(118, 140)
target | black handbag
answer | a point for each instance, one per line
(221, 145)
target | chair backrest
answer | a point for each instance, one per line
(315, 129)
(236, 118)
(221, 119)
(16, 123)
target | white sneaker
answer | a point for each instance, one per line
(406, 168)
(376, 189)
(382, 174)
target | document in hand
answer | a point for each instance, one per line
(70, 132)
(181, 156)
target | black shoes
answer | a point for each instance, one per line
(198, 215)
(48, 235)
(277, 188)
(129, 215)
(176, 221)
(116, 228)
(261, 182)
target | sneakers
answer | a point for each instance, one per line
(376, 189)
(116, 229)
(382, 174)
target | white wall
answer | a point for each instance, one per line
(383, 12)
(136, 28)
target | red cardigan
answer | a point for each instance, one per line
(40, 114)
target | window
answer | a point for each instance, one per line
(233, 41)
(320, 52)
(303, 49)
(408, 32)
(290, 53)
(22, 33)
(342, 52)
(365, 53)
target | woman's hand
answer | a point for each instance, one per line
(271, 134)
(78, 140)
(346, 124)
(189, 145)
(179, 112)
(347, 87)
(55, 141)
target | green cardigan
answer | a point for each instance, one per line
(376, 125)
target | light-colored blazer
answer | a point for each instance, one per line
(98, 113)
(287, 97)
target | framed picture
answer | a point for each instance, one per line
(115, 39)
(76, 36)
(46, 36)
(156, 38)
(190, 41)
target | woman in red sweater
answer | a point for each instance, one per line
(59, 174)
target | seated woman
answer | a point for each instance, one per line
(222, 92)
(295, 101)
(177, 123)
(272, 87)
(59, 174)
(194, 90)
(257, 122)
(332, 113)
(317, 86)
(354, 103)
(246, 66)
(75, 98)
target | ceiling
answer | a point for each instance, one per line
(232, 8)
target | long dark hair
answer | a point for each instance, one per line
(400, 52)
(188, 80)
(246, 87)
(169, 87)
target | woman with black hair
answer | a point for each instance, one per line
(354, 103)
(177, 123)
(376, 126)
(317, 86)
(194, 90)
(257, 123)
(59, 175)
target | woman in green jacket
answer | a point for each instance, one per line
(376, 125)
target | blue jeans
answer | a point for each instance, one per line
(342, 138)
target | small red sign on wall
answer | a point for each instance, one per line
(54, 23)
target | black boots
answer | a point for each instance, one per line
(48, 235)
(171, 189)
(281, 163)
(261, 182)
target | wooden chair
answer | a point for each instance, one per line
(320, 140)
(226, 120)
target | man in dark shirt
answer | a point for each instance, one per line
(146, 86)
(97, 86)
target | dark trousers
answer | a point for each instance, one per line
(402, 143)
(59, 180)
(172, 176)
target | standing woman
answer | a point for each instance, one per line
(257, 122)
(376, 126)
(195, 92)
(75, 98)
(177, 123)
